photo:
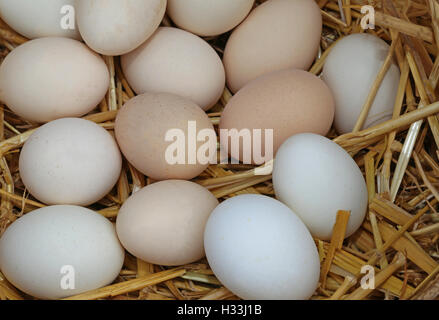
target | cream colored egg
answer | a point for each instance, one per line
(115, 27)
(178, 62)
(278, 34)
(208, 17)
(70, 161)
(51, 78)
(164, 222)
(42, 18)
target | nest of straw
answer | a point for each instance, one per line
(399, 159)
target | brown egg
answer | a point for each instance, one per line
(288, 102)
(278, 34)
(142, 127)
(164, 222)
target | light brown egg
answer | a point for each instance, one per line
(289, 102)
(164, 222)
(278, 34)
(142, 126)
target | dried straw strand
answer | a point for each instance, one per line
(129, 286)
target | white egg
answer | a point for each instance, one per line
(259, 249)
(316, 178)
(208, 17)
(42, 18)
(59, 251)
(70, 161)
(350, 71)
(115, 27)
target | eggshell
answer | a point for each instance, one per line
(35, 248)
(316, 178)
(70, 161)
(279, 34)
(178, 62)
(350, 71)
(289, 101)
(51, 78)
(163, 223)
(208, 18)
(114, 27)
(260, 250)
(141, 128)
(37, 19)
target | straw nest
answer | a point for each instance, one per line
(399, 159)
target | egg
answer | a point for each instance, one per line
(350, 70)
(208, 18)
(288, 102)
(114, 27)
(316, 178)
(42, 18)
(279, 34)
(70, 161)
(260, 250)
(51, 78)
(178, 62)
(163, 223)
(60, 251)
(145, 128)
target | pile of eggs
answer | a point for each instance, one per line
(257, 246)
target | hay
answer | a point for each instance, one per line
(399, 158)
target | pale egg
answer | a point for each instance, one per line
(316, 178)
(42, 18)
(51, 78)
(208, 17)
(259, 249)
(178, 62)
(114, 27)
(70, 161)
(60, 251)
(350, 70)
